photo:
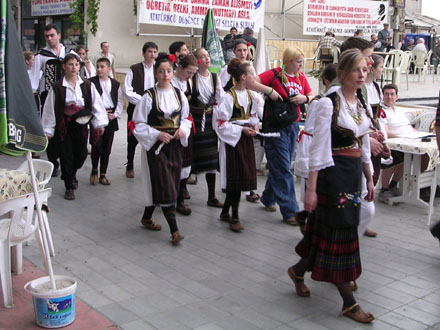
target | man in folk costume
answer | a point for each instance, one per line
(70, 105)
(49, 61)
(113, 101)
(139, 78)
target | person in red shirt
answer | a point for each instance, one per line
(280, 187)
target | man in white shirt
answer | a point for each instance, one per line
(105, 52)
(420, 47)
(395, 124)
(49, 61)
(139, 78)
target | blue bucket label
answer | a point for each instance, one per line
(55, 312)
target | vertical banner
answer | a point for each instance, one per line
(211, 42)
(191, 13)
(344, 17)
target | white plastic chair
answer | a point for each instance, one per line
(43, 172)
(403, 68)
(274, 55)
(420, 66)
(314, 59)
(392, 64)
(424, 121)
(22, 226)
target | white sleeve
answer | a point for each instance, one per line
(365, 150)
(92, 72)
(144, 133)
(320, 155)
(100, 117)
(130, 94)
(257, 104)
(120, 105)
(48, 118)
(226, 131)
(219, 92)
(185, 124)
(34, 72)
(224, 76)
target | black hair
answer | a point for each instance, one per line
(104, 60)
(330, 72)
(175, 47)
(358, 32)
(248, 30)
(71, 56)
(236, 68)
(390, 86)
(359, 43)
(187, 60)
(162, 58)
(149, 44)
(79, 47)
(238, 42)
(102, 43)
(233, 28)
(52, 26)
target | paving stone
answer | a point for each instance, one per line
(116, 313)
(401, 321)
(136, 325)
(418, 315)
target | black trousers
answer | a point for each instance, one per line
(102, 151)
(132, 142)
(73, 150)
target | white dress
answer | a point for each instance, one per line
(147, 135)
(229, 132)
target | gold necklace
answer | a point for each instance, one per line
(357, 117)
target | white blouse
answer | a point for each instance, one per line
(301, 167)
(181, 84)
(147, 135)
(373, 96)
(73, 96)
(205, 89)
(127, 88)
(230, 132)
(106, 86)
(321, 146)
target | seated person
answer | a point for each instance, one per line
(395, 123)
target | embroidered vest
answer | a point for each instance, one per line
(60, 99)
(342, 138)
(238, 111)
(156, 117)
(196, 106)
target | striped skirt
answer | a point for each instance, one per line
(240, 165)
(165, 171)
(205, 146)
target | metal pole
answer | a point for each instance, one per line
(283, 13)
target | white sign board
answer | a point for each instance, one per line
(51, 7)
(191, 13)
(343, 17)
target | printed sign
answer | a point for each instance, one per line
(191, 13)
(51, 7)
(344, 17)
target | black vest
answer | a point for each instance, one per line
(238, 111)
(156, 118)
(196, 106)
(60, 99)
(342, 138)
(113, 124)
(53, 70)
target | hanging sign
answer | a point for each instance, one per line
(51, 7)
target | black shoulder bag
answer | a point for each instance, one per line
(278, 114)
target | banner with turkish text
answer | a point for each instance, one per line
(343, 17)
(191, 13)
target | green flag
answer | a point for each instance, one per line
(211, 42)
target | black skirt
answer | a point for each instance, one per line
(205, 145)
(240, 165)
(165, 171)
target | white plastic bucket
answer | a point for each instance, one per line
(53, 308)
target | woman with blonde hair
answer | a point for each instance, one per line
(339, 154)
(294, 88)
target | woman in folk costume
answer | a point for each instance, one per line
(206, 91)
(186, 69)
(162, 128)
(236, 122)
(339, 154)
(301, 165)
